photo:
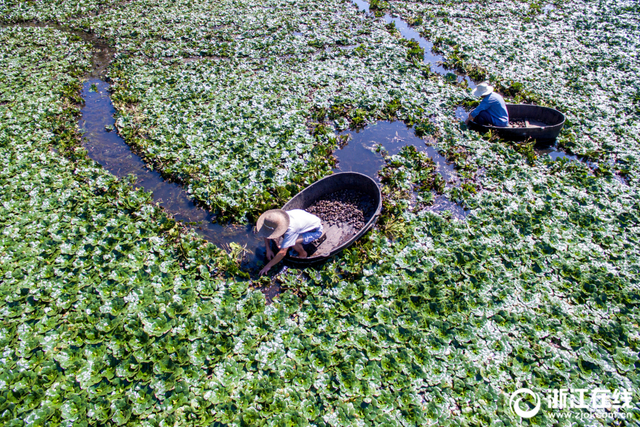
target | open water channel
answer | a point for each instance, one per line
(107, 148)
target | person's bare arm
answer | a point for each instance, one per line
(276, 259)
(267, 243)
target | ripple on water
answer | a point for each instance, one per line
(360, 155)
(110, 150)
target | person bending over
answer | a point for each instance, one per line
(492, 110)
(297, 228)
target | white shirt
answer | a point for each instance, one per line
(299, 222)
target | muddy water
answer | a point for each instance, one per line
(361, 155)
(101, 54)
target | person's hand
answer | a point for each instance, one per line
(467, 120)
(265, 269)
(267, 245)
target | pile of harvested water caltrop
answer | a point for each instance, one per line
(343, 207)
(114, 312)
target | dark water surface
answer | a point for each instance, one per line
(436, 61)
(433, 59)
(361, 155)
(555, 153)
(109, 149)
(106, 147)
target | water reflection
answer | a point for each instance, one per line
(361, 155)
(555, 154)
(461, 114)
(434, 60)
(109, 149)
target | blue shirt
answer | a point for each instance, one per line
(494, 105)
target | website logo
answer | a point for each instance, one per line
(518, 396)
(578, 403)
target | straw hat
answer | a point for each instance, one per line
(483, 89)
(272, 224)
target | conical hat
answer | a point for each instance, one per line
(272, 224)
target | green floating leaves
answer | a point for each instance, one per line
(111, 314)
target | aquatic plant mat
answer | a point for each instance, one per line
(114, 313)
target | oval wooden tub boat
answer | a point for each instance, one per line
(540, 123)
(338, 236)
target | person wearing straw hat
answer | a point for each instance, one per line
(296, 227)
(492, 110)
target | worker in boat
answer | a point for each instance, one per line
(492, 110)
(296, 227)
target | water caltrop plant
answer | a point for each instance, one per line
(113, 313)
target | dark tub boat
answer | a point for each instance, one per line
(340, 236)
(540, 123)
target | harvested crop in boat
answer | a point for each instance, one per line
(343, 207)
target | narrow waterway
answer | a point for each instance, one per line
(435, 62)
(106, 147)
(431, 58)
